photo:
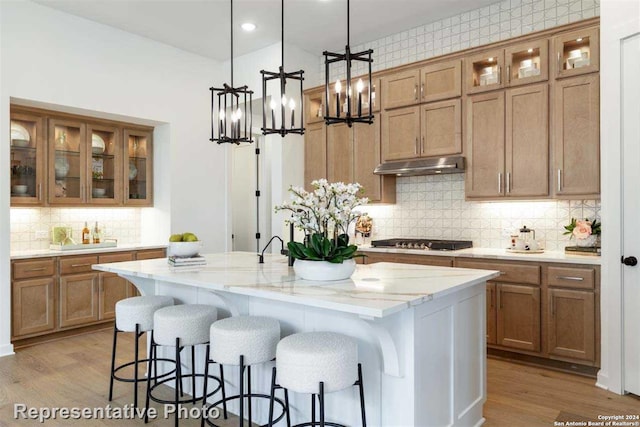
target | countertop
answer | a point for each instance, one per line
(375, 290)
(43, 253)
(546, 256)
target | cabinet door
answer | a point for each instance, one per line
(366, 156)
(78, 299)
(485, 145)
(484, 71)
(314, 106)
(441, 124)
(518, 319)
(104, 160)
(400, 89)
(527, 141)
(27, 159)
(113, 288)
(576, 136)
(67, 162)
(577, 52)
(400, 133)
(492, 336)
(315, 153)
(33, 306)
(441, 81)
(527, 62)
(138, 167)
(571, 321)
(340, 153)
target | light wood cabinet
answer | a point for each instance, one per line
(484, 71)
(138, 167)
(527, 62)
(315, 153)
(485, 148)
(33, 303)
(440, 261)
(28, 164)
(441, 81)
(576, 52)
(576, 137)
(67, 180)
(112, 288)
(400, 133)
(441, 128)
(518, 318)
(150, 254)
(78, 299)
(314, 105)
(401, 89)
(492, 314)
(340, 153)
(571, 324)
(105, 177)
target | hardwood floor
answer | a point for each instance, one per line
(74, 372)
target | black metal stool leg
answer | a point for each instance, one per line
(224, 393)
(321, 399)
(193, 372)
(272, 395)
(135, 366)
(313, 410)
(361, 386)
(249, 393)
(113, 361)
(286, 402)
(178, 392)
(241, 415)
(204, 389)
(152, 356)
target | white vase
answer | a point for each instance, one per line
(589, 241)
(324, 270)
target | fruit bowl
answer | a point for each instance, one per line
(184, 249)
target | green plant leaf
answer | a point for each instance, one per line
(343, 240)
(296, 250)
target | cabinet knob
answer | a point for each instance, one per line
(631, 261)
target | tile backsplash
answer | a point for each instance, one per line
(499, 21)
(123, 224)
(434, 207)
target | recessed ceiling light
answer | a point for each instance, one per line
(248, 26)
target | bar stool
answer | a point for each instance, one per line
(135, 315)
(181, 326)
(242, 341)
(317, 363)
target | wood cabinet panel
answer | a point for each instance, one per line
(77, 264)
(33, 306)
(571, 277)
(571, 324)
(138, 167)
(527, 62)
(113, 288)
(440, 261)
(314, 106)
(67, 163)
(340, 153)
(484, 71)
(28, 163)
(484, 134)
(119, 257)
(33, 268)
(441, 81)
(515, 273)
(366, 156)
(586, 41)
(151, 254)
(400, 133)
(400, 89)
(492, 327)
(518, 318)
(315, 153)
(104, 169)
(78, 299)
(527, 141)
(441, 124)
(576, 136)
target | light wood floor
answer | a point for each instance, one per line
(74, 372)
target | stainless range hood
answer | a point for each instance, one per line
(434, 166)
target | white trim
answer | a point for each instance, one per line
(6, 350)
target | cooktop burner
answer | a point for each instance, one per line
(437, 245)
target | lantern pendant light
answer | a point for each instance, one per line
(283, 106)
(347, 110)
(230, 121)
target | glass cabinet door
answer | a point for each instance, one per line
(577, 52)
(105, 166)
(484, 71)
(67, 162)
(138, 167)
(27, 163)
(527, 62)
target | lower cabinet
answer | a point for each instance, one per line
(33, 304)
(518, 316)
(571, 321)
(492, 314)
(78, 299)
(441, 261)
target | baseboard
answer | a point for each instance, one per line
(6, 350)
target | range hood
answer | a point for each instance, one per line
(433, 166)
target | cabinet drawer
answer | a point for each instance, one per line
(150, 254)
(567, 277)
(77, 264)
(34, 268)
(105, 259)
(513, 273)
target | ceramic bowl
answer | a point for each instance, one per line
(19, 189)
(184, 249)
(98, 192)
(20, 143)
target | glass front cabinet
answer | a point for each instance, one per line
(577, 53)
(138, 168)
(105, 165)
(27, 159)
(67, 175)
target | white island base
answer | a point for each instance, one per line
(420, 331)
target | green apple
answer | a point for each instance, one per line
(189, 237)
(175, 238)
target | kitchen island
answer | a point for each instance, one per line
(420, 329)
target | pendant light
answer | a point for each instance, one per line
(284, 105)
(230, 122)
(347, 110)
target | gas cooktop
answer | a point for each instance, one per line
(427, 244)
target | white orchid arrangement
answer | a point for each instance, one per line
(324, 215)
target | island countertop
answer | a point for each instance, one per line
(376, 290)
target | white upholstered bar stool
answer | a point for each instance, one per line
(181, 326)
(134, 315)
(317, 363)
(242, 341)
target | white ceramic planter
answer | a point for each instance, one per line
(324, 270)
(589, 241)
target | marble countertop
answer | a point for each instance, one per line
(43, 253)
(501, 254)
(375, 290)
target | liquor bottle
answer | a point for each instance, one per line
(86, 234)
(96, 234)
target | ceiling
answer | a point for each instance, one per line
(202, 26)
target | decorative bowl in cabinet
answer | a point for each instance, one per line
(19, 189)
(22, 143)
(133, 171)
(98, 192)
(97, 144)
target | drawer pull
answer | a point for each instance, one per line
(80, 265)
(572, 278)
(37, 269)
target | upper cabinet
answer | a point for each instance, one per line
(67, 162)
(138, 167)
(314, 106)
(400, 133)
(105, 165)
(484, 71)
(27, 167)
(315, 153)
(441, 128)
(577, 52)
(401, 89)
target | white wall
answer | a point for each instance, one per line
(52, 57)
